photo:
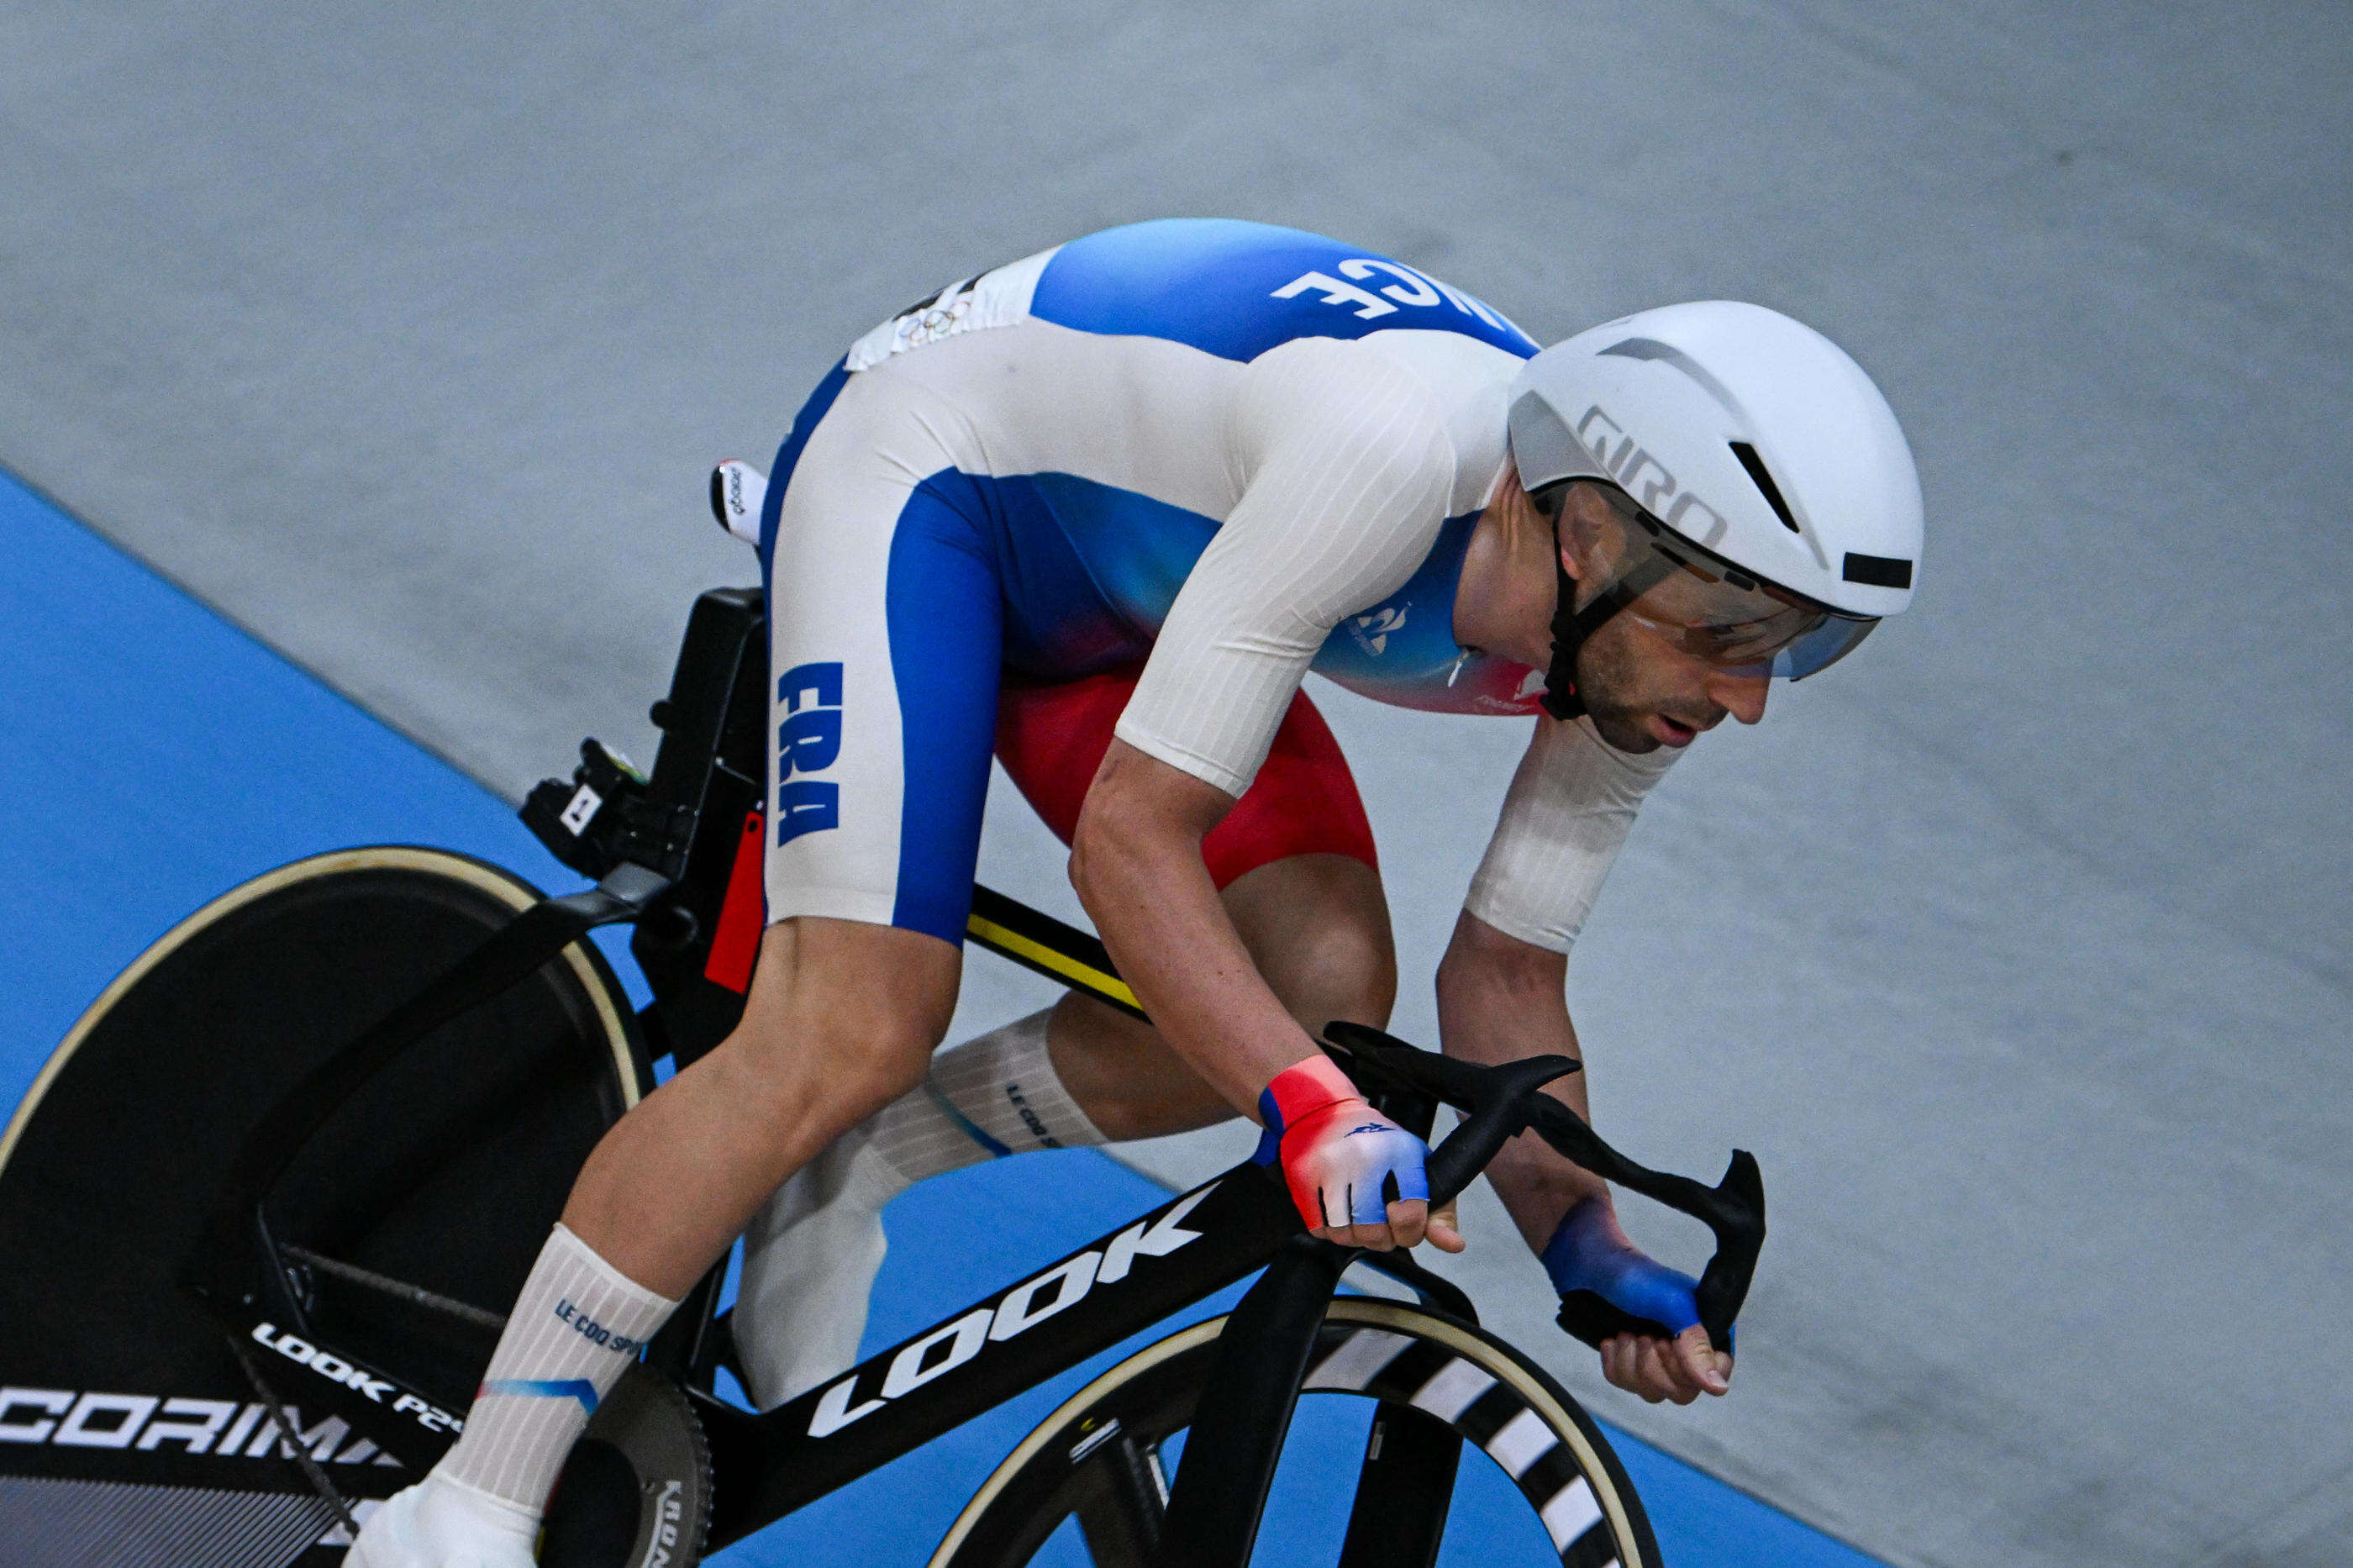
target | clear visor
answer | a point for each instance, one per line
(1710, 608)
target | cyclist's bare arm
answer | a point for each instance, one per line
(1136, 864)
(1499, 999)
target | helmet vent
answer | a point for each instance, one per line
(1764, 477)
(1878, 571)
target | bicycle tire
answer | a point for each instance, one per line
(444, 1172)
(1096, 1458)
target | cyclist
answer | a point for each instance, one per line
(1098, 512)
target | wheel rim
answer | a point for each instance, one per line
(1401, 1356)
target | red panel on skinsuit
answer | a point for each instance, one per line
(1052, 739)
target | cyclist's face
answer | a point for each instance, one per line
(1643, 689)
(1643, 692)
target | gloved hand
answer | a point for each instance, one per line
(1356, 1175)
(1652, 1343)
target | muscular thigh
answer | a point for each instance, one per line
(884, 629)
(1293, 860)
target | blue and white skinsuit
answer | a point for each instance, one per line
(1230, 451)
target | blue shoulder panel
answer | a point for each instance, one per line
(1408, 636)
(1236, 289)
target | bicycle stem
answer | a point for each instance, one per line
(1247, 1403)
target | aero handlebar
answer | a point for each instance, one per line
(1499, 1103)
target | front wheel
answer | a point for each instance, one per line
(1089, 1484)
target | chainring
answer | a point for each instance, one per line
(637, 1490)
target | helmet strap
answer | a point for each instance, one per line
(1560, 697)
(1571, 626)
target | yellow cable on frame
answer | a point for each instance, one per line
(1085, 976)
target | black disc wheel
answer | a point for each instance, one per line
(128, 1414)
(1091, 1484)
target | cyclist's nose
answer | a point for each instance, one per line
(1742, 696)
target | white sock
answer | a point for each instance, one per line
(576, 1328)
(811, 1254)
(999, 1090)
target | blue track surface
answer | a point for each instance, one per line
(157, 756)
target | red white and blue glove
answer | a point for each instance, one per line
(1344, 1162)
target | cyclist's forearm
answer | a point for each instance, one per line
(1136, 864)
(1499, 1000)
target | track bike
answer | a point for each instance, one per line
(259, 1212)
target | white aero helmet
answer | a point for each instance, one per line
(1736, 430)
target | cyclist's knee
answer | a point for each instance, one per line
(1317, 927)
(843, 1014)
(860, 1057)
(1335, 970)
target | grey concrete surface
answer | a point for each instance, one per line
(2017, 947)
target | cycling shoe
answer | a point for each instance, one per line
(442, 1523)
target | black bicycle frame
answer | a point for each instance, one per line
(664, 863)
(1116, 1287)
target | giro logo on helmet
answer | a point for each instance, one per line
(1632, 467)
(1800, 460)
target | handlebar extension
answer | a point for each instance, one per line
(1499, 1103)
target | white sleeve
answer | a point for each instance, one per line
(1346, 470)
(1571, 805)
